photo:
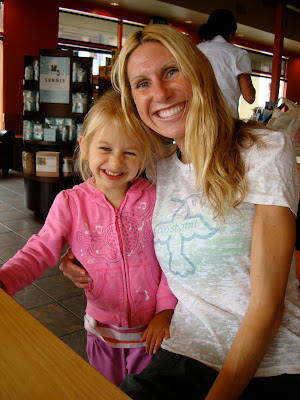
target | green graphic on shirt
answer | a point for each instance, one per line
(183, 227)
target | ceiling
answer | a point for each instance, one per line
(256, 18)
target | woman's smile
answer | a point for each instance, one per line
(170, 112)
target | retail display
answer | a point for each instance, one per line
(58, 92)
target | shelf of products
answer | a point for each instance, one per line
(58, 92)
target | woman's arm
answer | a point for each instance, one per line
(273, 240)
(247, 88)
(76, 273)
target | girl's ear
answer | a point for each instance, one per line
(80, 141)
(82, 148)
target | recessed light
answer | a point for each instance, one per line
(114, 4)
(188, 22)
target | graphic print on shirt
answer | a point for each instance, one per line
(129, 230)
(186, 224)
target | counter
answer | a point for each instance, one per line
(35, 364)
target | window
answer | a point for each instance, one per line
(261, 64)
(129, 28)
(91, 35)
(88, 28)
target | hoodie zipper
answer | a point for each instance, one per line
(117, 221)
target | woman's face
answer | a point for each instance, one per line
(162, 94)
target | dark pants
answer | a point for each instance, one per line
(173, 377)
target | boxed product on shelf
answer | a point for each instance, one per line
(50, 134)
(114, 55)
(28, 73)
(47, 163)
(38, 131)
(79, 102)
(102, 71)
(79, 72)
(28, 163)
(30, 100)
(28, 129)
(67, 169)
(95, 79)
(65, 128)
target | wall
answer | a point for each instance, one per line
(28, 26)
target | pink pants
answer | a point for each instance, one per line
(114, 363)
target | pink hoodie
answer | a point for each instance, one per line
(115, 246)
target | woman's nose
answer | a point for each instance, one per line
(162, 91)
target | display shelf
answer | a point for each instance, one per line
(66, 148)
(41, 191)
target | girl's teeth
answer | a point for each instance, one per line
(113, 173)
(170, 112)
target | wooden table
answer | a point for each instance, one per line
(36, 365)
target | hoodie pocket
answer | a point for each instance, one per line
(107, 289)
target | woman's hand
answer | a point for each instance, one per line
(158, 328)
(73, 271)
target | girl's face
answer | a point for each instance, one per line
(114, 160)
(161, 92)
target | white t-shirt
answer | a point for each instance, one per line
(207, 263)
(228, 62)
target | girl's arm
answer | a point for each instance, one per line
(158, 327)
(41, 251)
(157, 330)
(273, 240)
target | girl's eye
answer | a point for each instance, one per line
(105, 148)
(130, 153)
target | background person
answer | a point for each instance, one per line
(231, 64)
(224, 231)
(107, 223)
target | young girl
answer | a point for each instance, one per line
(107, 222)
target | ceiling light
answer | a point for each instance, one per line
(188, 22)
(114, 4)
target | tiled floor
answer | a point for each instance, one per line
(53, 299)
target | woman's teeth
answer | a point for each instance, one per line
(170, 112)
(113, 173)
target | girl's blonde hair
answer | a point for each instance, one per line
(105, 112)
(213, 138)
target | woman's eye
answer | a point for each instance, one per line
(142, 85)
(172, 71)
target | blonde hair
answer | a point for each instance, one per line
(213, 138)
(105, 111)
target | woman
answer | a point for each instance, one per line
(231, 64)
(224, 227)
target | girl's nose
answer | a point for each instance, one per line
(116, 160)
